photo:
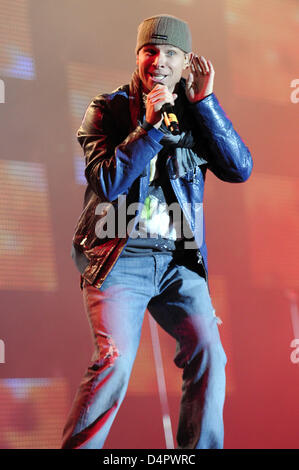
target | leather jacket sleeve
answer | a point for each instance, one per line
(112, 166)
(227, 155)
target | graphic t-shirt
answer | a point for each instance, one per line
(159, 228)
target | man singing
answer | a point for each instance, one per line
(149, 163)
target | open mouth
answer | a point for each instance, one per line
(157, 77)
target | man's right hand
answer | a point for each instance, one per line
(155, 100)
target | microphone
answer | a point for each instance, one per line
(170, 118)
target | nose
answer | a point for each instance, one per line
(159, 60)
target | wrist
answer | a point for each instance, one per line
(197, 100)
(147, 126)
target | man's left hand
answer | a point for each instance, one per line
(200, 81)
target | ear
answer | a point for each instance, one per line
(187, 59)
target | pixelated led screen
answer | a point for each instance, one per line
(31, 412)
(16, 54)
(27, 258)
(262, 43)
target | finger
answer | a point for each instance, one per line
(192, 66)
(191, 55)
(157, 86)
(155, 99)
(157, 90)
(189, 81)
(200, 65)
(160, 93)
(211, 66)
(204, 64)
(163, 98)
(197, 64)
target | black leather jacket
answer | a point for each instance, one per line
(117, 165)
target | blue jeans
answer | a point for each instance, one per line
(178, 298)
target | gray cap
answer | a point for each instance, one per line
(164, 29)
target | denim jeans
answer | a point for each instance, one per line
(177, 296)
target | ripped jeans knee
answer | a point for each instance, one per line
(105, 353)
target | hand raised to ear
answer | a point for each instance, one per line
(200, 81)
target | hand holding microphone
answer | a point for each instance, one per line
(159, 106)
(170, 118)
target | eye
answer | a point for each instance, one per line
(150, 51)
(171, 52)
